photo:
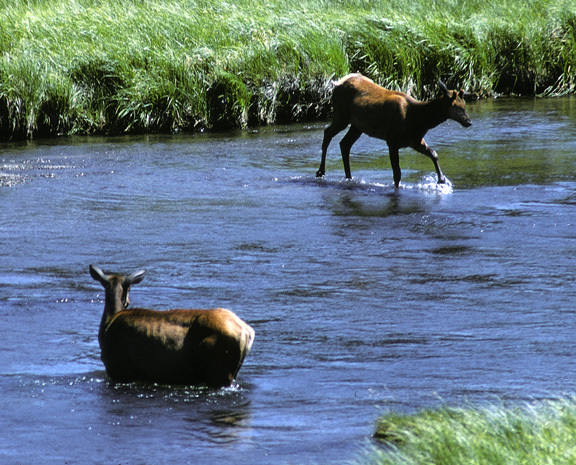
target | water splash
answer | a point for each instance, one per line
(428, 183)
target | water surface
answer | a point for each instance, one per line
(364, 299)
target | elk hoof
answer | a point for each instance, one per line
(319, 174)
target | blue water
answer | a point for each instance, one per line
(365, 300)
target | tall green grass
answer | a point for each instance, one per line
(544, 433)
(112, 66)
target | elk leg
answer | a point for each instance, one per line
(395, 162)
(425, 149)
(346, 144)
(329, 133)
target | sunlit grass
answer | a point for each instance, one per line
(88, 66)
(544, 433)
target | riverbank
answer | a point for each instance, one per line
(128, 66)
(538, 434)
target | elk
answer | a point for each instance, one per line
(195, 347)
(395, 117)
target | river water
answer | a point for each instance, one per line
(365, 300)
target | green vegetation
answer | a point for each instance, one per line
(536, 435)
(114, 66)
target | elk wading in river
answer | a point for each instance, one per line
(395, 117)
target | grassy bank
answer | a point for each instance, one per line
(113, 66)
(540, 434)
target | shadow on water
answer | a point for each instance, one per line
(360, 198)
(391, 205)
(217, 416)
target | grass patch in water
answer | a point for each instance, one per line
(114, 66)
(544, 433)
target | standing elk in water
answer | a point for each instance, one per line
(201, 347)
(395, 117)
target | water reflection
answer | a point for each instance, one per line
(220, 416)
(453, 250)
(389, 205)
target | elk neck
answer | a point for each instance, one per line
(115, 298)
(427, 115)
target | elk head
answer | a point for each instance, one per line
(117, 289)
(457, 105)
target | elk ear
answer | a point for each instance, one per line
(97, 274)
(461, 93)
(443, 87)
(137, 277)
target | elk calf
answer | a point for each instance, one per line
(395, 117)
(200, 347)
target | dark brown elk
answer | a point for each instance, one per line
(395, 117)
(196, 347)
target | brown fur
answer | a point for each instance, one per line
(395, 117)
(200, 347)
